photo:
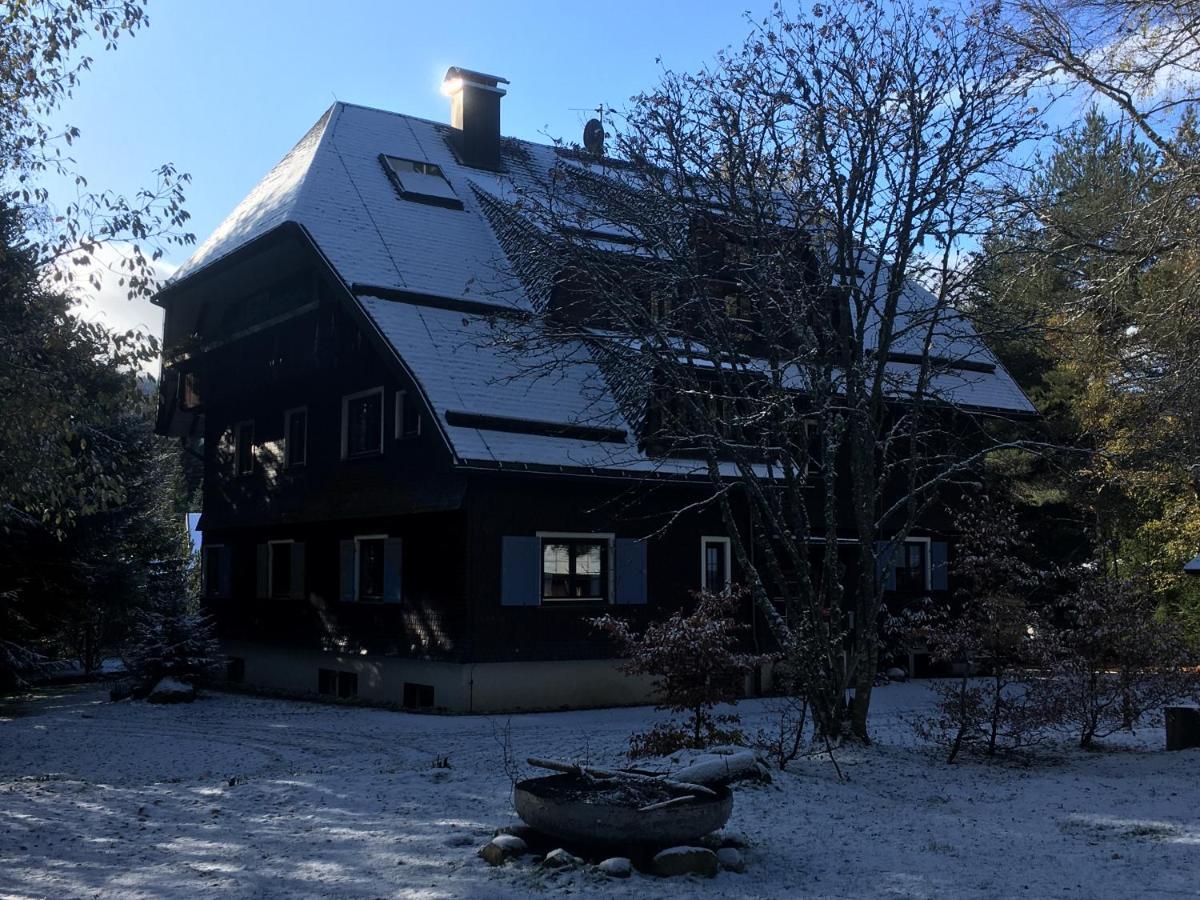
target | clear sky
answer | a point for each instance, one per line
(223, 89)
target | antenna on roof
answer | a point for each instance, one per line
(593, 131)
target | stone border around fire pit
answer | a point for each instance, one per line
(714, 852)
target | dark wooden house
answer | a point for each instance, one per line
(391, 510)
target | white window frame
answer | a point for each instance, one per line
(705, 540)
(271, 545)
(287, 436)
(205, 568)
(237, 448)
(346, 398)
(927, 541)
(609, 537)
(398, 415)
(358, 560)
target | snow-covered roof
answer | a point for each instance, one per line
(334, 184)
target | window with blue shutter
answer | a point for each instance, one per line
(392, 563)
(939, 576)
(346, 570)
(885, 561)
(520, 571)
(298, 588)
(630, 572)
(262, 571)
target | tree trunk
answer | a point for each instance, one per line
(864, 682)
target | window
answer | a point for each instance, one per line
(368, 568)
(243, 448)
(362, 423)
(424, 182)
(280, 571)
(739, 307)
(575, 567)
(295, 437)
(661, 304)
(408, 417)
(912, 566)
(214, 571)
(714, 564)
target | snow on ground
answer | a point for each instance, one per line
(245, 796)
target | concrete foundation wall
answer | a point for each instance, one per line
(458, 687)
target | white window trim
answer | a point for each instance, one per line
(927, 541)
(237, 449)
(346, 398)
(608, 536)
(398, 416)
(715, 539)
(357, 565)
(271, 545)
(287, 432)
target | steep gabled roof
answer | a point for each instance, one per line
(336, 186)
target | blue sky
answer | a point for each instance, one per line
(223, 89)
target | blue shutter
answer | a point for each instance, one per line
(298, 590)
(630, 572)
(346, 549)
(392, 566)
(521, 571)
(225, 572)
(885, 559)
(938, 576)
(263, 571)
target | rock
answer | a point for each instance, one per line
(734, 839)
(730, 859)
(561, 859)
(897, 674)
(685, 861)
(616, 867)
(171, 690)
(714, 840)
(502, 847)
(521, 830)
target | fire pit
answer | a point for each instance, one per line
(588, 811)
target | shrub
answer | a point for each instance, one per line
(173, 638)
(994, 633)
(696, 664)
(1119, 659)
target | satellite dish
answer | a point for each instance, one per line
(593, 137)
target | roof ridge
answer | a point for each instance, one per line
(436, 123)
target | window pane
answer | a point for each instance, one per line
(364, 424)
(714, 567)
(281, 570)
(370, 569)
(556, 569)
(589, 569)
(245, 448)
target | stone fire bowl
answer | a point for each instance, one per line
(550, 806)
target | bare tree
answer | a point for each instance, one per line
(765, 272)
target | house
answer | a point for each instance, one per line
(391, 508)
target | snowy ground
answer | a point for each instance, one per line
(243, 796)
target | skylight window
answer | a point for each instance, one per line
(420, 181)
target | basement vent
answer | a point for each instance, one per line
(332, 683)
(418, 696)
(420, 181)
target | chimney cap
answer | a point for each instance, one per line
(469, 76)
